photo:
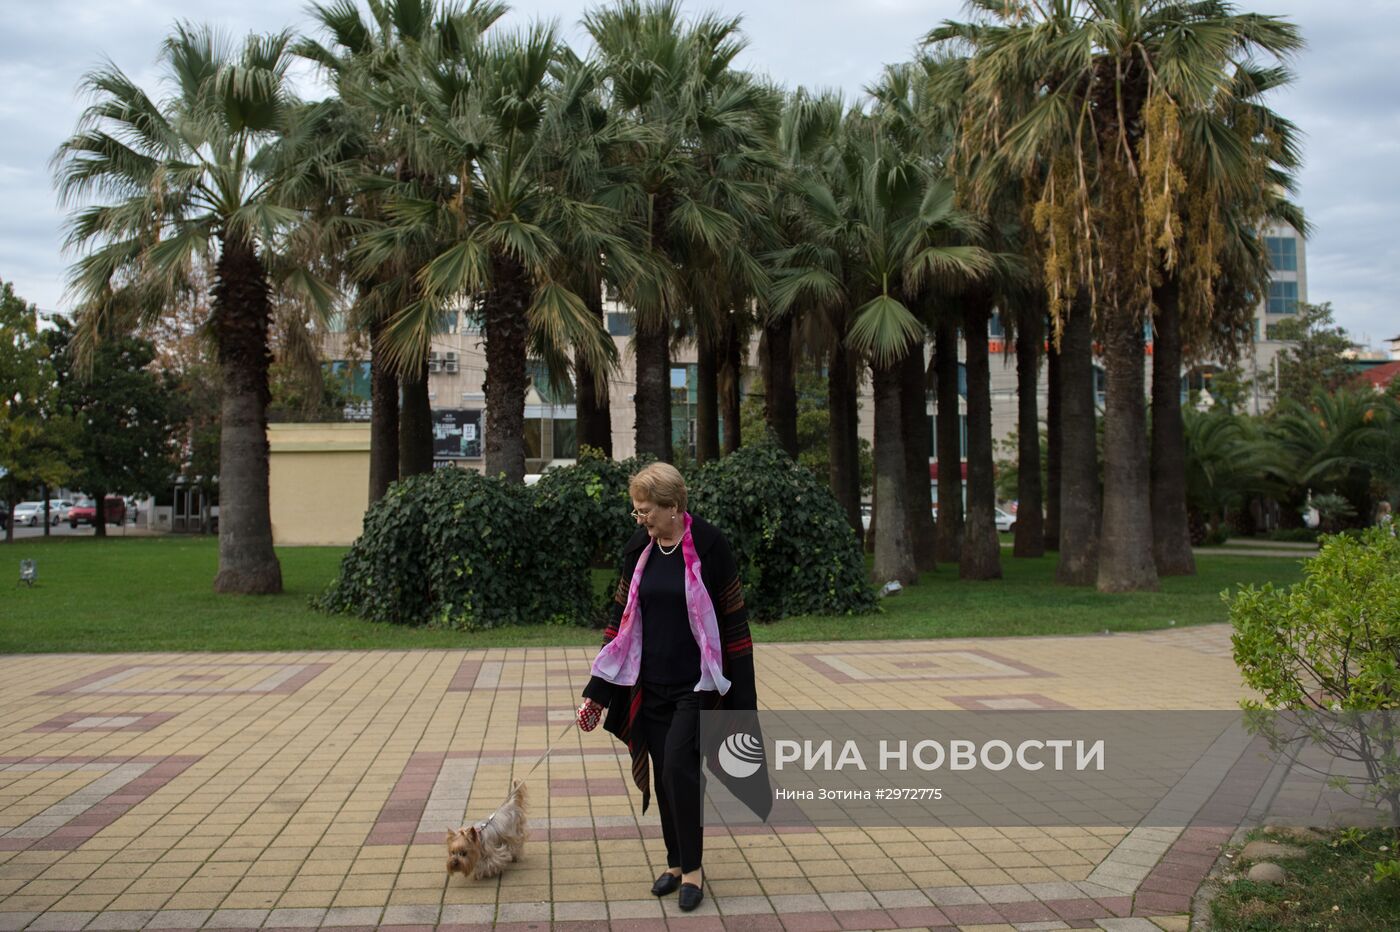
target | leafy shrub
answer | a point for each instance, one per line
(585, 513)
(1331, 643)
(796, 552)
(454, 549)
(1218, 535)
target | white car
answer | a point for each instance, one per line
(1005, 522)
(30, 514)
(59, 508)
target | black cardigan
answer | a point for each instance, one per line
(720, 574)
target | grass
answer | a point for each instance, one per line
(154, 594)
(1331, 887)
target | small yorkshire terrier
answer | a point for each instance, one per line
(483, 849)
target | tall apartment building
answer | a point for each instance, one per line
(457, 370)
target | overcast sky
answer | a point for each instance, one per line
(1344, 100)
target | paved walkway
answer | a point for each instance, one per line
(314, 790)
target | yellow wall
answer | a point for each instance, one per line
(319, 477)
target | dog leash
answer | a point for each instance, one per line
(533, 767)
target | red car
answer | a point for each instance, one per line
(85, 511)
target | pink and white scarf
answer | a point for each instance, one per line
(620, 660)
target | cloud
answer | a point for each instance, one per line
(1343, 100)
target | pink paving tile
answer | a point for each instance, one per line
(69, 721)
(465, 677)
(1168, 885)
(981, 703)
(863, 919)
(577, 925)
(1020, 670)
(971, 914)
(1117, 905)
(305, 673)
(1078, 909)
(758, 923)
(914, 917)
(635, 925)
(810, 922)
(1157, 904)
(1034, 911)
(698, 924)
(461, 927)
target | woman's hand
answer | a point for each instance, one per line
(589, 714)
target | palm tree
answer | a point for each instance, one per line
(364, 53)
(199, 174)
(1094, 90)
(1238, 157)
(903, 234)
(704, 148)
(476, 198)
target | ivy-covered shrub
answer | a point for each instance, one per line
(454, 549)
(583, 513)
(796, 552)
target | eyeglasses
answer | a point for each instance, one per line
(641, 515)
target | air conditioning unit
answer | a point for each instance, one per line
(449, 363)
(434, 364)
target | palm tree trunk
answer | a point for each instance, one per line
(506, 305)
(949, 429)
(1171, 532)
(731, 371)
(706, 398)
(894, 552)
(653, 354)
(1079, 459)
(913, 412)
(1125, 558)
(247, 562)
(981, 548)
(383, 418)
(593, 412)
(842, 453)
(416, 424)
(1053, 446)
(1030, 520)
(780, 383)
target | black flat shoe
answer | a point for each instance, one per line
(691, 895)
(666, 883)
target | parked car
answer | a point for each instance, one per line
(29, 514)
(1005, 522)
(59, 508)
(85, 512)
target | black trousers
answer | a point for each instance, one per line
(670, 718)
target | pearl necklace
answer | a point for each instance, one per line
(664, 551)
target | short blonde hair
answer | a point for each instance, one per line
(661, 484)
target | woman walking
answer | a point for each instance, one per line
(678, 643)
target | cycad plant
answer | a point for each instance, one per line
(203, 175)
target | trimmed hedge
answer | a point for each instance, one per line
(455, 549)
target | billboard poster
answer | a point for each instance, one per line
(456, 434)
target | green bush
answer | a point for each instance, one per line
(454, 549)
(796, 552)
(1331, 644)
(1218, 535)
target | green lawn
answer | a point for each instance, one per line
(153, 594)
